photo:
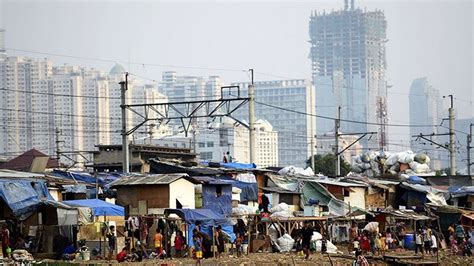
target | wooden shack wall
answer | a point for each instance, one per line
(156, 196)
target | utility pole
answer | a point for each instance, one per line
(58, 150)
(336, 144)
(469, 141)
(452, 144)
(126, 159)
(312, 129)
(252, 119)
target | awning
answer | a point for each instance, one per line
(205, 216)
(99, 207)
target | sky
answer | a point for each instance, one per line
(432, 39)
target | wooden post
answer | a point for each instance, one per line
(213, 243)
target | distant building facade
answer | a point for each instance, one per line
(325, 145)
(348, 68)
(426, 108)
(295, 130)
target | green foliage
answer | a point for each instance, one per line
(325, 164)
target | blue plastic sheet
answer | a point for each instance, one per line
(249, 190)
(208, 219)
(99, 207)
(416, 180)
(220, 204)
(24, 197)
(103, 178)
(239, 165)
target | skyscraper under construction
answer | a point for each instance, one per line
(348, 68)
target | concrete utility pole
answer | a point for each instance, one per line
(58, 150)
(312, 131)
(252, 119)
(469, 141)
(336, 144)
(126, 159)
(452, 144)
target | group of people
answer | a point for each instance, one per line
(461, 242)
(426, 241)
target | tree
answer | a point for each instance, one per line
(325, 164)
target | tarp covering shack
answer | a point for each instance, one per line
(99, 207)
(24, 196)
(208, 219)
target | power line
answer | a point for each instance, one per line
(342, 120)
(128, 62)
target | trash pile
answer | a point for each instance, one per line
(373, 164)
(293, 170)
(281, 210)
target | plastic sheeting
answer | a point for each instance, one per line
(221, 204)
(208, 219)
(462, 191)
(239, 165)
(23, 197)
(249, 191)
(99, 207)
(103, 178)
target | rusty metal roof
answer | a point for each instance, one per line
(152, 179)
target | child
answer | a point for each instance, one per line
(111, 241)
(467, 247)
(158, 242)
(238, 244)
(418, 242)
(378, 244)
(454, 245)
(179, 243)
(198, 249)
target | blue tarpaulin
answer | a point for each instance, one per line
(249, 190)
(103, 178)
(24, 196)
(219, 203)
(239, 165)
(416, 180)
(99, 207)
(208, 219)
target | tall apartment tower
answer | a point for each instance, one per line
(295, 130)
(23, 113)
(2, 43)
(348, 68)
(426, 107)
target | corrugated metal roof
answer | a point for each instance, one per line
(6, 173)
(338, 183)
(154, 179)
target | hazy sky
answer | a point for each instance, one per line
(426, 38)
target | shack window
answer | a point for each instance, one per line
(286, 198)
(218, 190)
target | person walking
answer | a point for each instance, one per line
(352, 236)
(306, 235)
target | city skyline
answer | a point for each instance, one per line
(195, 60)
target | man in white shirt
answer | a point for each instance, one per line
(434, 244)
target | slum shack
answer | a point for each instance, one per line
(215, 194)
(31, 214)
(96, 216)
(151, 194)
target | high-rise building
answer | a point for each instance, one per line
(295, 130)
(20, 107)
(2, 43)
(232, 141)
(348, 68)
(426, 108)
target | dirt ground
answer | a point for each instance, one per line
(280, 259)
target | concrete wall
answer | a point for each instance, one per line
(356, 198)
(183, 190)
